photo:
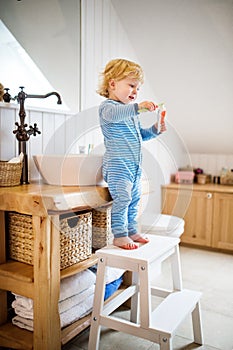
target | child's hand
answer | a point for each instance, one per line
(160, 125)
(161, 128)
(147, 105)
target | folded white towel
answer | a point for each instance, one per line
(76, 284)
(69, 287)
(69, 303)
(17, 159)
(21, 311)
(23, 323)
(64, 305)
(76, 298)
(22, 303)
(77, 312)
(66, 318)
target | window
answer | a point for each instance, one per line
(18, 69)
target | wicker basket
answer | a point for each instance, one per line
(101, 227)
(75, 238)
(10, 173)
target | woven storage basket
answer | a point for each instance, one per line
(101, 227)
(10, 173)
(75, 238)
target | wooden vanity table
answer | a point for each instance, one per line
(41, 282)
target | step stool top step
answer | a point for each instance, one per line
(148, 252)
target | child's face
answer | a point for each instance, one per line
(124, 90)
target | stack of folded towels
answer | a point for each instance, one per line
(76, 298)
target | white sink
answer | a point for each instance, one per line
(70, 170)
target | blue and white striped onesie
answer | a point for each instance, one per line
(122, 171)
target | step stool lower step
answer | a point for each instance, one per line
(173, 310)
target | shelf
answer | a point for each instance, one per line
(18, 338)
(198, 187)
(81, 266)
(17, 277)
(74, 329)
(21, 272)
(15, 337)
(41, 282)
(17, 270)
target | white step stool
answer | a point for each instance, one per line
(158, 326)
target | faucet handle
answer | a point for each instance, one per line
(7, 96)
(33, 130)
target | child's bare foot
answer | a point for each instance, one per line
(140, 238)
(125, 243)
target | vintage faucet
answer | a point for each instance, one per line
(22, 134)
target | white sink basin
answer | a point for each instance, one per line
(70, 170)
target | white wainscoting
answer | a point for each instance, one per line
(212, 163)
(102, 38)
(53, 138)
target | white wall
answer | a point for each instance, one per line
(102, 38)
(186, 49)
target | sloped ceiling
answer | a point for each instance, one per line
(186, 50)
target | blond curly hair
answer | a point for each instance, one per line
(118, 69)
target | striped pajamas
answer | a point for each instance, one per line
(122, 171)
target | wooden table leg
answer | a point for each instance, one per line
(3, 294)
(47, 329)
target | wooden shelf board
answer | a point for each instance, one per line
(24, 272)
(18, 338)
(74, 329)
(17, 270)
(15, 337)
(80, 266)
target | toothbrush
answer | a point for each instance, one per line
(161, 113)
(142, 110)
